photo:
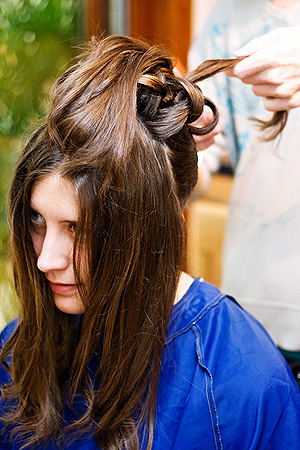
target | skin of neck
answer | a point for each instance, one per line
(184, 283)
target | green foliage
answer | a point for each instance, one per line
(38, 40)
(8, 153)
(8, 304)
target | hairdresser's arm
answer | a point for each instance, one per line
(272, 67)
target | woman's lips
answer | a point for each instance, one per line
(60, 288)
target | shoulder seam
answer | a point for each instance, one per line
(215, 301)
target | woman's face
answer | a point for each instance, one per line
(54, 213)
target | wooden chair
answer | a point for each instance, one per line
(206, 221)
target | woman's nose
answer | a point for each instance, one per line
(55, 253)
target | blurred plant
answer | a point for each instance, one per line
(36, 39)
(37, 42)
(9, 304)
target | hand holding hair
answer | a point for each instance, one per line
(272, 68)
(208, 68)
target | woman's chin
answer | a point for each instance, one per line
(69, 305)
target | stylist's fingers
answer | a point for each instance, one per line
(252, 66)
(281, 90)
(262, 76)
(206, 118)
(203, 142)
(281, 104)
(278, 50)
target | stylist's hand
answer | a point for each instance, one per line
(203, 142)
(272, 67)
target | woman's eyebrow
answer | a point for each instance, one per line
(33, 208)
(68, 221)
(64, 220)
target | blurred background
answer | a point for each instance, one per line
(38, 41)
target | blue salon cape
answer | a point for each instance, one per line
(223, 383)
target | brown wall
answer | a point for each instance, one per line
(166, 22)
(95, 17)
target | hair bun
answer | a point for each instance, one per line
(165, 103)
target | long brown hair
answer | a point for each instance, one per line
(118, 129)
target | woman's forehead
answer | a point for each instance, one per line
(55, 195)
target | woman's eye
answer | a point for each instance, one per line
(36, 217)
(72, 227)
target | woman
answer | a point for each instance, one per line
(115, 347)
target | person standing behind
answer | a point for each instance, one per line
(262, 243)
